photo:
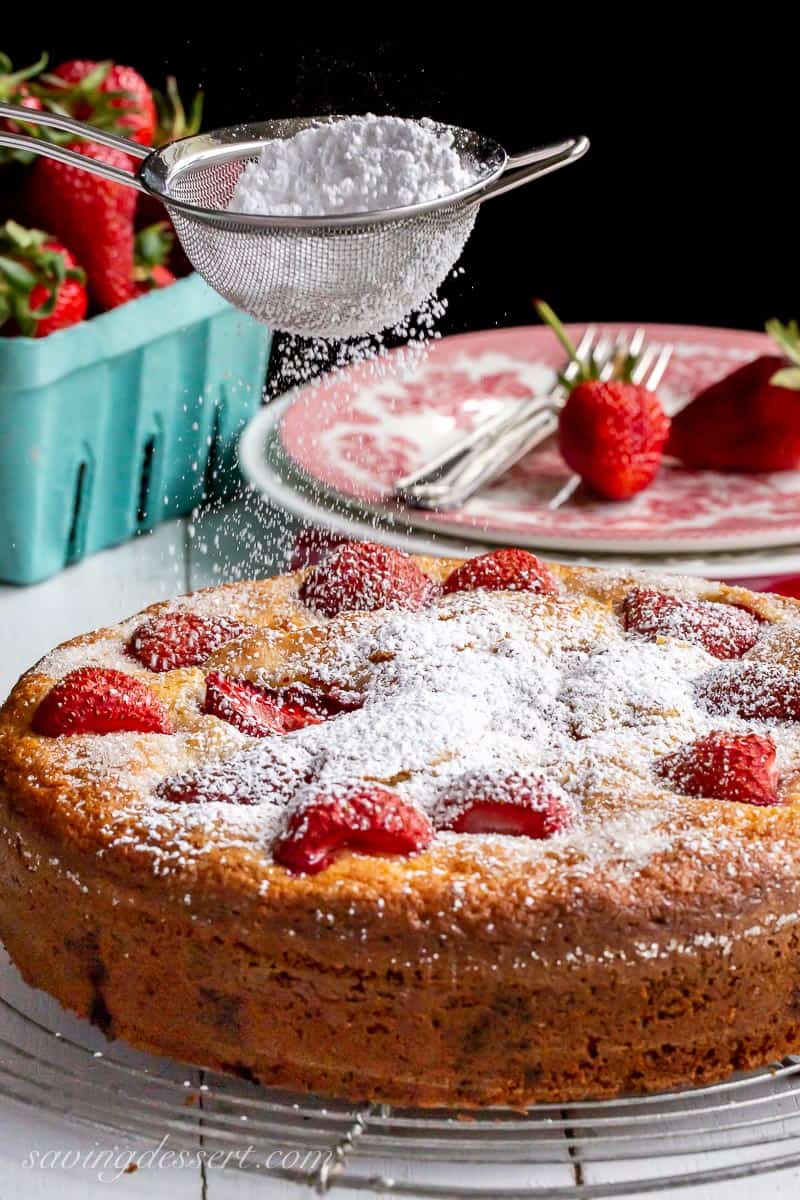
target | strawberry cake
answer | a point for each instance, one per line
(420, 831)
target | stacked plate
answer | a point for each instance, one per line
(330, 452)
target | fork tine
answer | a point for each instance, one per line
(585, 344)
(424, 482)
(601, 354)
(584, 351)
(525, 430)
(636, 345)
(619, 350)
(660, 366)
(563, 494)
(640, 371)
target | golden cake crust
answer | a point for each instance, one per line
(654, 946)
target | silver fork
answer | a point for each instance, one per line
(533, 422)
(438, 471)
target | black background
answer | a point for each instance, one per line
(685, 209)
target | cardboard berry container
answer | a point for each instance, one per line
(122, 421)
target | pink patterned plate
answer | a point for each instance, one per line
(354, 433)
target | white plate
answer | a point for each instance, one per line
(354, 432)
(269, 471)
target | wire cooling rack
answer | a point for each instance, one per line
(745, 1126)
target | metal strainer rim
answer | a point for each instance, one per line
(163, 165)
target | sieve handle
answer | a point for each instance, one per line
(22, 141)
(522, 168)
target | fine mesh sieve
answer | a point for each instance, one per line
(331, 276)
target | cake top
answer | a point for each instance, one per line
(400, 727)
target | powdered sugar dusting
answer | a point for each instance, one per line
(487, 683)
(479, 685)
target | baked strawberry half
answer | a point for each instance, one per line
(724, 630)
(307, 700)
(100, 700)
(259, 711)
(725, 766)
(181, 639)
(364, 577)
(515, 805)
(505, 570)
(756, 690)
(367, 819)
(249, 708)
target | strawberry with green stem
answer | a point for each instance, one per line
(173, 120)
(42, 288)
(750, 419)
(151, 253)
(93, 216)
(611, 432)
(107, 95)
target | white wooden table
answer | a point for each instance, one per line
(105, 588)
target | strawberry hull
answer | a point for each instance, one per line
(105, 427)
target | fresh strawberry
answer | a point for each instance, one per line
(756, 690)
(725, 766)
(106, 95)
(365, 576)
(93, 216)
(42, 288)
(724, 630)
(152, 249)
(612, 435)
(100, 700)
(181, 639)
(367, 819)
(750, 420)
(610, 432)
(516, 805)
(260, 711)
(502, 571)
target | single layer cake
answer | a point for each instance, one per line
(418, 831)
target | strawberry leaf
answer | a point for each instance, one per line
(787, 338)
(16, 274)
(30, 259)
(11, 79)
(173, 121)
(787, 377)
(153, 244)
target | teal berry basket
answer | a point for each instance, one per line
(120, 422)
